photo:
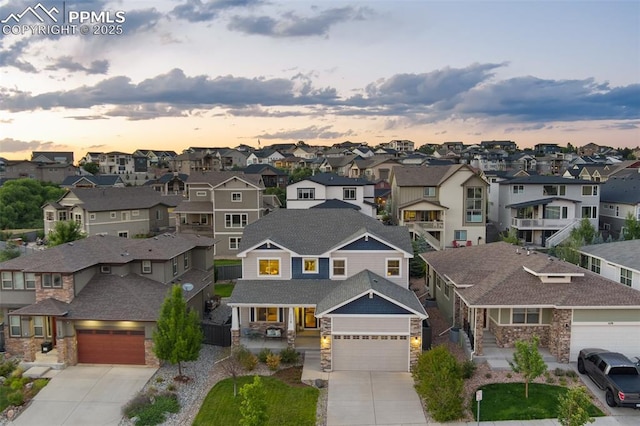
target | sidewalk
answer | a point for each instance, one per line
(599, 421)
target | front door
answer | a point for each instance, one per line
(309, 319)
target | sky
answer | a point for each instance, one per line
(168, 75)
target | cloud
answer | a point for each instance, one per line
(14, 145)
(10, 56)
(199, 11)
(67, 63)
(307, 133)
(291, 24)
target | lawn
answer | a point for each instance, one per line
(227, 262)
(223, 290)
(4, 390)
(506, 401)
(286, 404)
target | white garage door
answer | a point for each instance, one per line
(370, 353)
(612, 337)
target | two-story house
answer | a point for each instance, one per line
(264, 156)
(220, 205)
(335, 274)
(618, 261)
(124, 212)
(620, 197)
(325, 189)
(538, 207)
(446, 205)
(97, 300)
(44, 172)
(271, 176)
(116, 163)
(50, 157)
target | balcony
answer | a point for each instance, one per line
(194, 228)
(523, 224)
(426, 226)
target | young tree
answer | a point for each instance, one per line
(233, 367)
(177, 336)
(528, 361)
(416, 264)
(631, 227)
(573, 408)
(510, 237)
(92, 168)
(65, 232)
(253, 407)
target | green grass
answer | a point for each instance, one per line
(227, 262)
(223, 290)
(286, 405)
(506, 401)
(4, 390)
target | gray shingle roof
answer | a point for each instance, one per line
(296, 292)
(332, 179)
(623, 187)
(336, 204)
(316, 231)
(624, 253)
(496, 277)
(128, 198)
(547, 180)
(215, 178)
(47, 307)
(423, 176)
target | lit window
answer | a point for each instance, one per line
(235, 220)
(339, 267)
(266, 314)
(146, 266)
(236, 197)
(393, 267)
(309, 266)
(268, 267)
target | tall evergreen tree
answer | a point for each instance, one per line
(178, 336)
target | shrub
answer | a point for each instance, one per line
(38, 384)
(550, 380)
(487, 375)
(439, 382)
(17, 383)
(572, 374)
(171, 387)
(136, 404)
(7, 367)
(246, 358)
(289, 356)
(159, 379)
(559, 372)
(273, 362)
(509, 375)
(15, 398)
(264, 354)
(468, 369)
(562, 381)
(150, 408)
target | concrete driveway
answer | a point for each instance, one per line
(85, 395)
(373, 398)
(624, 415)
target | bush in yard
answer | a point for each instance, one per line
(439, 383)
(253, 407)
(263, 354)
(247, 359)
(7, 367)
(15, 398)
(273, 362)
(573, 408)
(289, 356)
(150, 408)
(468, 369)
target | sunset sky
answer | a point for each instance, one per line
(229, 72)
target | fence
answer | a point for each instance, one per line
(228, 272)
(216, 334)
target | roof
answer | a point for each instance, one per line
(332, 179)
(317, 231)
(187, 206)
(623, 187)
(260, 169)
(281, 292)
(495, 276)
(128, 198)
(540, 202)
(336, 204)
(97, 180)
(107, 249)
(547, 180)
(623, 253)
(46, 307)
(215, 178)
(423, 176)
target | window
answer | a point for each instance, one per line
(201, 193)
(393, 267)
(460, 235)
(92, 216)
(123, 234)
(49, 215)
(158, 214)
(306, 194)
(554, 190)
(62, 216)
(105, 269)
(590, 190)
(525, 316)
(268, 267)
(18, 281)
(174, 265)
(555, 212)
(518, 189)
(447, 290)
(46, 280)
(339, 267)
(235, 220)
(38, 326)
(266, 314)
(595, 265)
(203, 219)
(474, 205)
(430, 191)
(146, 266)
(349, 194)
(438, 281)
(30, 280)
(112, 215)
(56, 280)
(186, 261)
(14, 326)
(309, 266)
(590, 212)
(236, 197)
(7, 280)
(135, 212)
(78, 219)
(234, 243)
(626, 276)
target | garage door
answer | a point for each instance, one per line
(370, 353)
(111, 346)
(612, 337)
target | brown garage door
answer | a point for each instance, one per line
(111, 346)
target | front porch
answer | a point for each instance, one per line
(498, 357)
(304, 341)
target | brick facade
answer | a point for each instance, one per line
(506, 336)
(24, 347)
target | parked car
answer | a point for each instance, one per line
(614, 373)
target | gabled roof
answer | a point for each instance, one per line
(547, 180)
(332, 179)
(128, 198)
(623, 253)
(46, 307)
(336, 204)
(215, 178)
(97, 180)
(317, 231)
(494, 275)
(340, 161)
(53, 156)
(623, 187)
(261, 169)
(424, 176)
(366, 282)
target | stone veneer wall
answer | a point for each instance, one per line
(262, 326)
(22, 347)
(150, 358)
(560, 335)
(235, 338)
(64, 294)
(325, 344)
(458, 309)
(506, 335)
(415, 341)
(479, 331)
(67, 350)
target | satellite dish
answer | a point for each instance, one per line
(187, 286)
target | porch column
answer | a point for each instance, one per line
(291, 329)
(235, 326)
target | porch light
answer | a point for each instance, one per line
(415, 341)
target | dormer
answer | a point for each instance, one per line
(554, 277)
